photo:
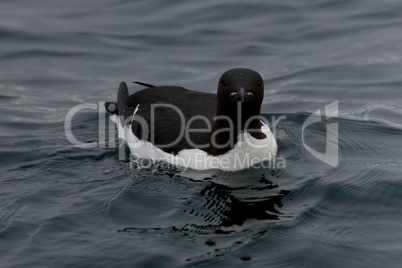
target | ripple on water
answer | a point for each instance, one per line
(63, 206)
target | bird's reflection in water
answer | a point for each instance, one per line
(241, 198)
(231, 202)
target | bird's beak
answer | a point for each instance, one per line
(241, 94)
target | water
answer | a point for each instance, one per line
(71, 207)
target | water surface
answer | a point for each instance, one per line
(71, 207)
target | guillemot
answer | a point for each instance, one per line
(195, 129)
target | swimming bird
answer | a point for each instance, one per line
(195, 129)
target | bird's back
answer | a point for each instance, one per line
(169, 113)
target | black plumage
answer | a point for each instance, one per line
(158, 118)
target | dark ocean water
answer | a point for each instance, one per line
(64, 206)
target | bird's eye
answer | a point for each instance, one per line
(259, 84)
(223, 83)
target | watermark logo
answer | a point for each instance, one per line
(201, 161)
(330, 156)
(106, 132)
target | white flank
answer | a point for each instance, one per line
(247, 152)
